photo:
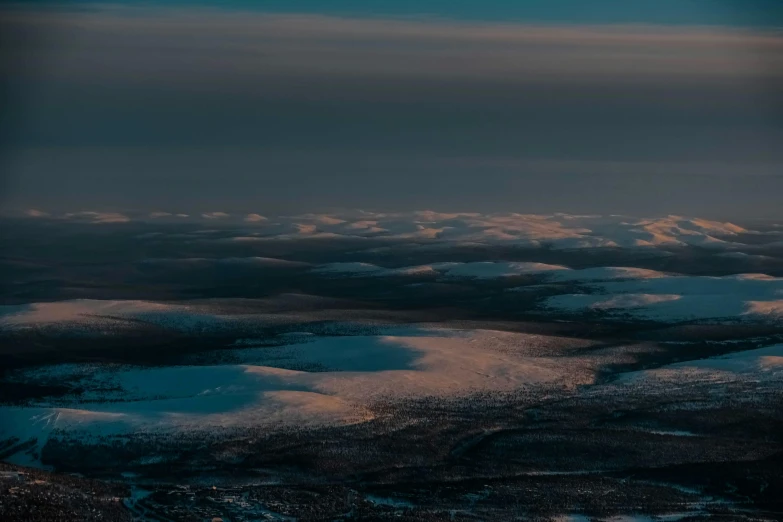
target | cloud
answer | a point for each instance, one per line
(35, 213)
(487, 113)
(286, 46)
(255, 218)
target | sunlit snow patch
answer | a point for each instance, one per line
(740, 297)
(106, 312)
(762, 364)
(328, 381)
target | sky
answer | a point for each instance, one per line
(607, 106)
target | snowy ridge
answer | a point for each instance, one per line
(562, 231)
(681, 298)
(278, 387)
(478, 270)
(114, 313)
(759, 364)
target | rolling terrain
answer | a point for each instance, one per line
(410, 366)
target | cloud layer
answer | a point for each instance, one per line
(137, 107)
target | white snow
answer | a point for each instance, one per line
(478, 270)
(771, 309)
(92, 311)
(96, 217)
(390, 502)
(630, 518)
(743, 256)
(348, 268)
(489, 270)
(493, 270)
(682, 298)
(554, 230)
(331, 380)
(248, 261)
(606, 273)
(759, 364)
